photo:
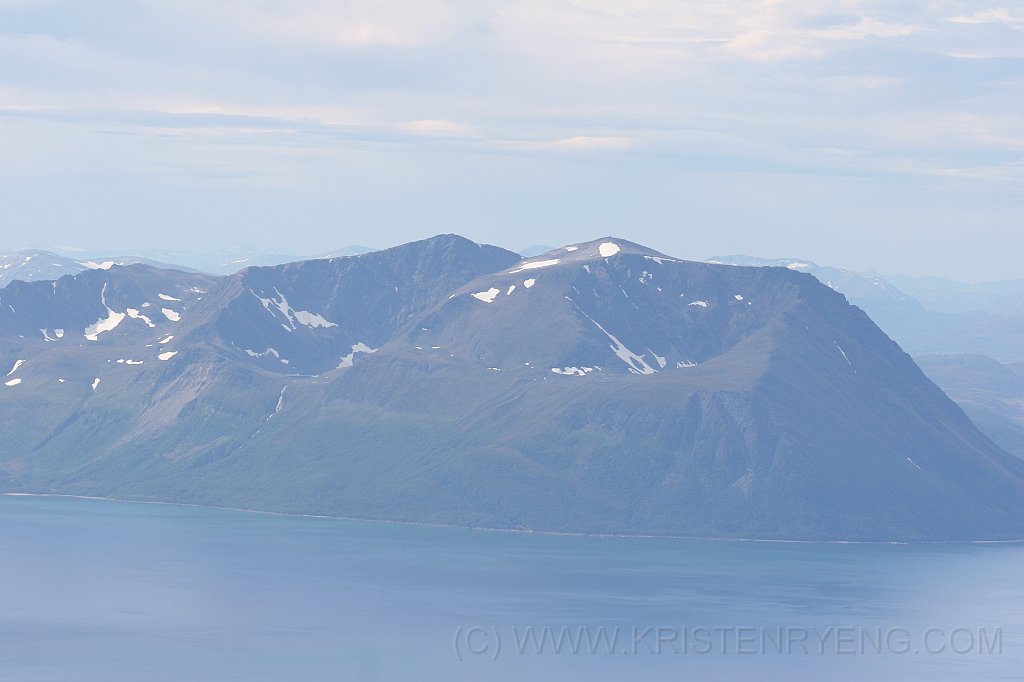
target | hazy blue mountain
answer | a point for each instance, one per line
(948, 296)
(600, 387)
(351, 250)
(950, 317)
(223, 262)
(534, 250)
(991, 394)
(857, 286)
(35, 265)
(31, 265)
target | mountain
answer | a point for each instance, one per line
(33, 265)
(600, 387)
(30, 265)
(534, 250)
(992, 394)
(857, 286)
(224, 262)
(932, 316)
(351, 250)
(948, 296)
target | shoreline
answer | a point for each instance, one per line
(426, 524)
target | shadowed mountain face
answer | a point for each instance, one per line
(600, 387)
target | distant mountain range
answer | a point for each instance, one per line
(991, 393)
(35, 265)
(926, 315)
(600, 387)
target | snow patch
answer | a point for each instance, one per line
(269, 351)
(529, 283)
(311, 320)
(170, 314)
(303, 317)
(702, 304)
(93, 265)
(166, 340)
(104, 324)
(165, 297)
(608, 249)
(685, 363)
(738, 297)
(95, 383)
(12, 382)
(136, 315)
(843, 352)
(358, 347)
(572, 371)
(570, 249)
(533, 265)
(798, 266)
(635, 363)
(59, 333)
(17, 364)
(167, 355)
(510, 290)
(487, 296)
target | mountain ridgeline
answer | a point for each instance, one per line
(600, 387)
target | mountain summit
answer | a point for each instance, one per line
(598, 387)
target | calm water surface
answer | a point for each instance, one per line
(99, 590)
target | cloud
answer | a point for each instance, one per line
(352, 24)
(589, 142)
(1000, 15)
(442, 127)
(282, 94)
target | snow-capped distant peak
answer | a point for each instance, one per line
(93, 265)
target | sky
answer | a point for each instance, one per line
(883, 136)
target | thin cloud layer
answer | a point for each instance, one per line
(877, 106)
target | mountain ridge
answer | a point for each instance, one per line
(621, 391)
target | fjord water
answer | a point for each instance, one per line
(102, 590)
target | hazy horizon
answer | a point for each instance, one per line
(84, 253)
(853, 133)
